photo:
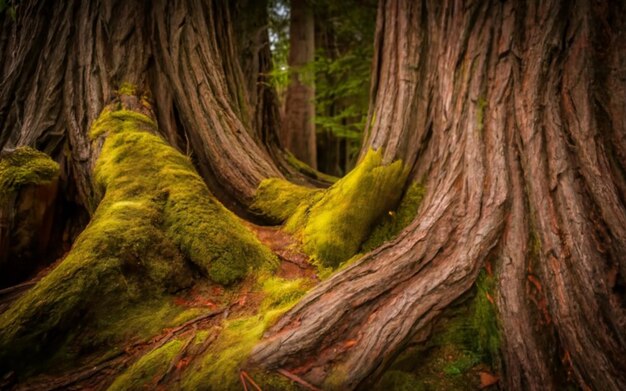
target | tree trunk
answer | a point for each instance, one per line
(510, 112)
(299, 126)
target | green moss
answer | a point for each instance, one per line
(480, 113)
(278, 199)
(484, 321)
(333, 228)
(26, 166)
(465, 342)
(219, 369)
(393, 222)
(308, 170)
(155, 215)
(142, 373)
(119, 121)
(127, 89)
(399, 381)
(273, 381)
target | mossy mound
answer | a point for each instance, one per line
(155, 216)
(333, 223)
(277, 199)
(26, 166)
(333, 227)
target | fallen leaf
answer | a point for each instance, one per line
(487, 379)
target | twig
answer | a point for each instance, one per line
(298, 380)
(243, 381)
(176, 359)
(249, 378)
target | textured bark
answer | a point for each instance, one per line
(190, 52)
(57, 75)
(299, 127)
(510, 112)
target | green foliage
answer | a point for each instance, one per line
(151, 365)
(333, 227)
(279, 44)
(342, 93)
(26, 166)
(278, 199)
(219, 369)
(10, 7)
(156, 213)
(341, 69)
(393, 222)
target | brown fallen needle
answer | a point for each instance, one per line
(298, 380)
(243, 375)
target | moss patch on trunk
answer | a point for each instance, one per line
(333, 223)
(156, 218)
(26, 166)
(277, 199)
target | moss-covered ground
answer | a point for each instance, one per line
(156, 230)
(219, 368)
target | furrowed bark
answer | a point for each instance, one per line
(500, 106)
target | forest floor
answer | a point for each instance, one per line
(218, 304)
(437, 366)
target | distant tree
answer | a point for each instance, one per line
(299, 117)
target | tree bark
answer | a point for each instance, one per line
(299, 126)
(510, 112)
(508, 109)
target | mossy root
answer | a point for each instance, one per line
(156, 214)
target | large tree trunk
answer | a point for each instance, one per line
(57, 77)
(299, 126)
(511, 112)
